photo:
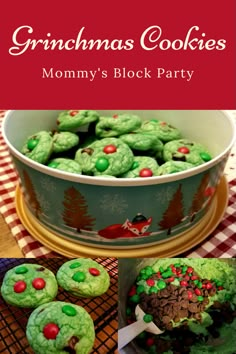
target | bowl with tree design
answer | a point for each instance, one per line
(122, 213)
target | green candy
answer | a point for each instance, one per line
(177, 265)
(153, 290)
(140, 289)
(219, 283)
(200, 298)
(184, 269)
(205, 156)
(21, 270)
(53, 164)
(149, 270)
(161, 284)
(228, 297)
(152, 349)
(79, 277)
(75, 265)
(69, 310)
(135, 165)
(142, 335)
(128, 311)
(102, 164)
(199, 284)
(135, 298)
(167, 274)
(32, 143)
(144, 276)
(147, 318)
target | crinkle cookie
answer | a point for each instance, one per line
(142, 142)
(142, 167)
(38, 147)
(164, 131)
(59, 328)
(117, 125)
(173, 167)
(83, 277)
(73, 119)
(64, 141)
(29, 285)
(108, 156)
(187, 151)
(65, 164)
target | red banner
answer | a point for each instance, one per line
(124, 55)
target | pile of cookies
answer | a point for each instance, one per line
(118, 146)
(56, 326)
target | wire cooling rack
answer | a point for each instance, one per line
(103, 310)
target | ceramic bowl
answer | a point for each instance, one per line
(142, 211)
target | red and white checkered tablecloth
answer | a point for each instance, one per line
(220, 244)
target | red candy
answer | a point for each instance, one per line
(187, 277)
(189, 270)
(183, 150)
(73, 113)
(132, 291)
(150, 282)
(19, 286)
(150, 342)
(183, 283)
(145, 172)
(194, 277)
(94, 271)
(51, 330)
(190, 295)
(209, 286)
(170, 279)
(115, 116)
(38, 283)
(198, 292)
(109, 149)
(220, 288)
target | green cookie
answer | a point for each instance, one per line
(73, 119)
(59, 328)
(173, 167)
(117, 125)
(143, 166)
(65, 164)
(64, 141)
(142, 142)
(38, 147)
(83, 277)
(109, 156)
(187, 151)
(29, 285)
(162, 130)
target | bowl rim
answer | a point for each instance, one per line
(119, 182)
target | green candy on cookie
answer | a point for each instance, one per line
(83, 277)
(59, 328)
